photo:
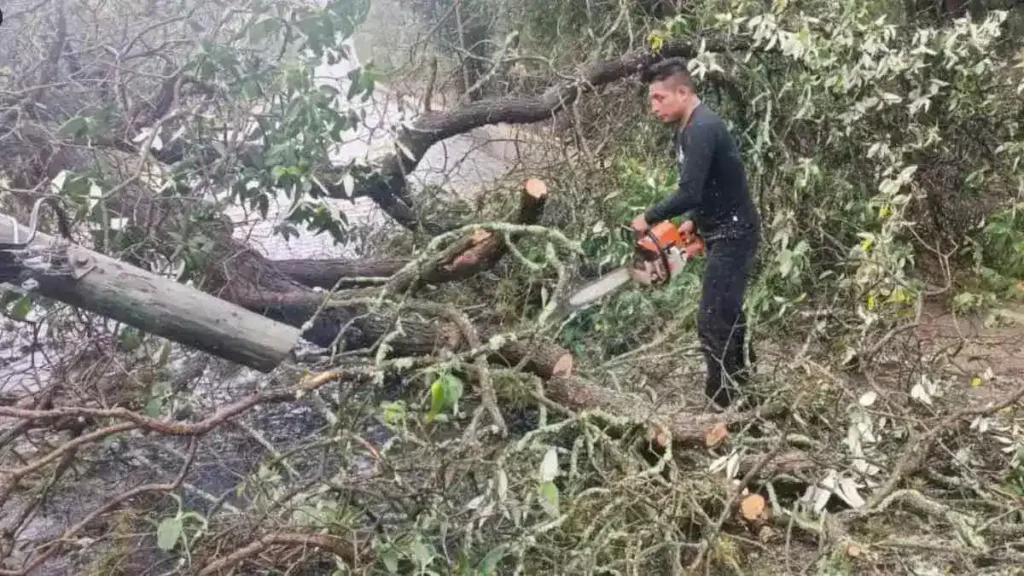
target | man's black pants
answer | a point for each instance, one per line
(721, 323)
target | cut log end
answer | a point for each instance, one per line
(752, 507)
(716, 435)
(563, 366)
(536, 188)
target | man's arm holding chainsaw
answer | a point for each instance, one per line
(699, 150)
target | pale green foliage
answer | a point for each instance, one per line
(853, 111)
(870, 144)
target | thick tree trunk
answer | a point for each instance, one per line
(99, 284)
(350, 319)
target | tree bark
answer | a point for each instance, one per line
(470, 256)
(349, 319)
(99, 284)
(341, 272)
(686, 426)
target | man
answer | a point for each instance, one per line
(713, 189)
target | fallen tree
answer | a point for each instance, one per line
(84, 278)
(57, 269)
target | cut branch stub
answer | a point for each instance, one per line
(487, 247)
(537, 357)
(752, 507)
(474, 253)
(716, 435)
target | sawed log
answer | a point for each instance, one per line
(86, 279)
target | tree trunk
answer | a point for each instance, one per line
(161, 306)
(686, 426)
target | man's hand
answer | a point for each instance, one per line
(640, 224)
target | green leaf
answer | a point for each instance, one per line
(6, 297)
(263, 202)
(420, 553)
(168, 533)
(154, 407)
(73, 127)
(394, 413)
(549, 466)
(355, 85)
(21, 308)
(453, 390)
(785, 263)
(549, 498)
(264, 28)
(436, 400)
(130, 339)
(445, 393)
(390, 559)
(490, 562)
(349, 183)
(162, 353)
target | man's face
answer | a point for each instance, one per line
(668, 100)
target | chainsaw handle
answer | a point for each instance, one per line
(693, 244)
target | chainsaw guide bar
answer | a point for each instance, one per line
(659, 255)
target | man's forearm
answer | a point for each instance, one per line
(677, 204)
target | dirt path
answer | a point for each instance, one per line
(990, 346)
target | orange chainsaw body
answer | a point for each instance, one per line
(663, 249)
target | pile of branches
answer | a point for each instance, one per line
(401, 462)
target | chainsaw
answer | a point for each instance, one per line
(659, 254)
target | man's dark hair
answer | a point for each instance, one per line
(674, 68)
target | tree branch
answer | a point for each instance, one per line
(388, 187)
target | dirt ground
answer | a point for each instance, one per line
(989, 347)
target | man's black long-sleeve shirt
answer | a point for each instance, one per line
(712, 181)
